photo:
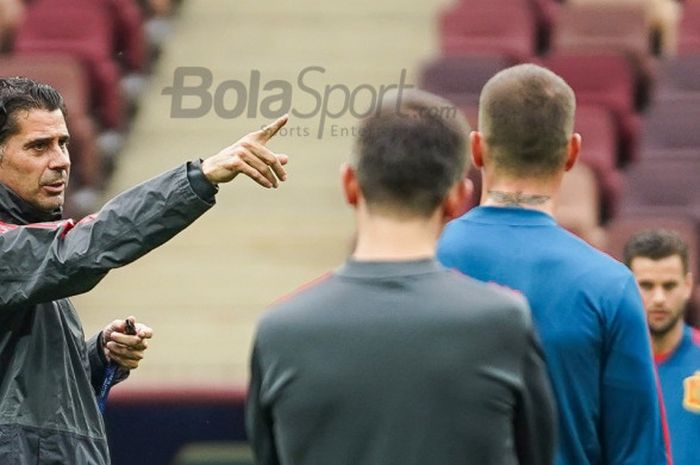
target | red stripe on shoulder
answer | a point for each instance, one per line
(64, 225)
(303, 287)
(5, 227)
(695, 336)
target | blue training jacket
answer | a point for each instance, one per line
(589, 316)
(680, 382)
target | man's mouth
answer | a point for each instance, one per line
(55, 188)
(658, 314)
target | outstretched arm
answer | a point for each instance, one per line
(49, 261)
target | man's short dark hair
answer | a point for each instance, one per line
(410, 153)
(656, 244)
(18, 94)
(526, 114)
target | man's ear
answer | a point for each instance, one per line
(458, 200)
(573, 151)
(351, 188)
(688, 285)
(477, 145)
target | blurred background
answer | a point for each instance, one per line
(634, 64)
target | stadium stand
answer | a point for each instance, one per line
(599, 152)
(618, 26)
(578, 208)
(672, 123)
(11, 16)
(678, 77)
(489, 27)
(459, 78)
(45, 30)
(65, 74)
(689, 29)
(607, 80)
(662, 17)
(664, 184)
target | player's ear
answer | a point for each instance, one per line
(573, 150)
(477, 149)
(351, 188)
(688, 284)
(458, 199)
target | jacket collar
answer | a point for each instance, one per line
(14, 210)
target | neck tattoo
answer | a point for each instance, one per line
(517, 199)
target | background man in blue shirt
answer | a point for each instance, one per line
(659, 261)
(585, 305)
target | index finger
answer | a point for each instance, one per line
(266, 133)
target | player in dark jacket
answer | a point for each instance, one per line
(48, 373)
(393, 359)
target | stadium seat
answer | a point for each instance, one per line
(662, 18)
(578, 205)
(618, 26)
(65, 74)
(11, 16)
(50, 29)
(129, 33)
(672, 123)
(599, 152)
(471, 112)
(460, 78)
(692, 315)
(663, 186)
(678, 77)
(689, 29)
(607, 80)
(501, 27)
(615, 27)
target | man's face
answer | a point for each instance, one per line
(35, 162)
(665, 290)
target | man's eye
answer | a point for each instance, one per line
(645, 286)
(40, 147)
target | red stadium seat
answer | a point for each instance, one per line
(50, 29)
(599, 151)
(65, 74)
(503, 27)
(578, 205)
(619, 27)
(612, 27)
(11, 16)
(678, 77)
(461, 78)
(607, 80)
(689, 29)
(692, 315)
(663, 186)
(129, 33)
(672, 123)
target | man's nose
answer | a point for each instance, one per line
(659, 296)
(60, 159)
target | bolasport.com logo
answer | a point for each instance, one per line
(194, 94)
